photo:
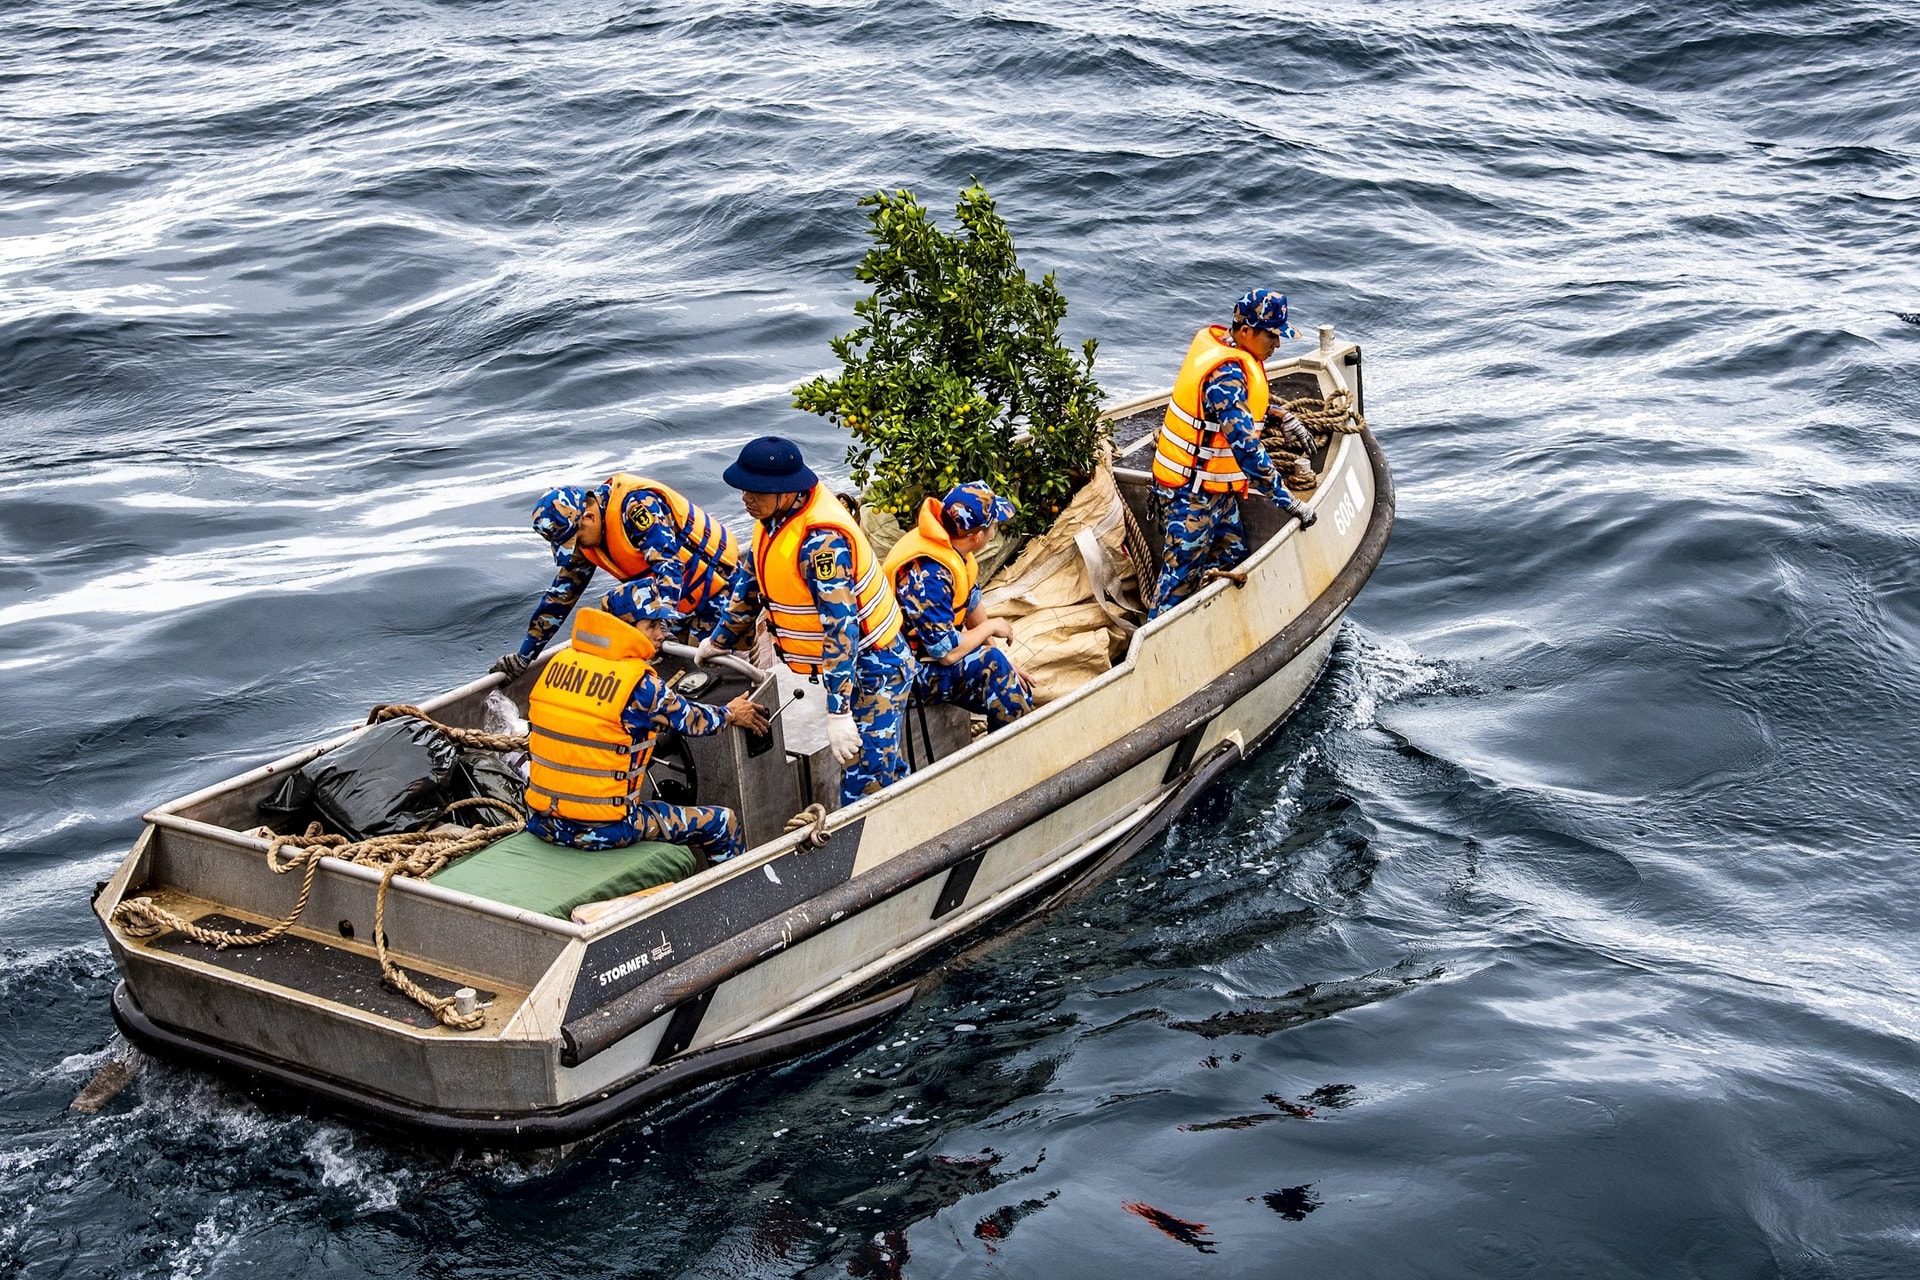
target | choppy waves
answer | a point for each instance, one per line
(1567, 929)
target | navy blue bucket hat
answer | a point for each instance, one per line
(771, 464)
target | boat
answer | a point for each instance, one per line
(810, 936)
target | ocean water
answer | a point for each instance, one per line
(1569, 929)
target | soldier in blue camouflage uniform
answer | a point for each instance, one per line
(958, 663)
(866, 687)
(1204, 530)
(706, 829)
(559, 517)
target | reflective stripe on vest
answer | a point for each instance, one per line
(705, 550)
(794, 617)
(929, 539)
(1190, 449)
(586, 764)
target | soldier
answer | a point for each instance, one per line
(833, 614)
(935, 574)
(660, 538)
(1209, 453)
(592, 717)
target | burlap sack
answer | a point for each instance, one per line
(1072, 595)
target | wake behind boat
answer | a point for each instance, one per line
(566, 1028)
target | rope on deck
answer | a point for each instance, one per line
(1326, 418)
(420, 854)
(478, 739)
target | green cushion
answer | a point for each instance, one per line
(525, 871)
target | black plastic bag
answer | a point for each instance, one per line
(397, 776)
(486, 775)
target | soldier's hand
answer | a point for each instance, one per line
(707, 652)
(1298, 438)
(1300, 511)
(843, 737)
(510, 665)
(748, 714)
(999, 629)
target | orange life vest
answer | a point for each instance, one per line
(797, 632)
(586, 764)
(706, 551)
(930, 540)
(1189, 448)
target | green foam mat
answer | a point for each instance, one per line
(525, 871)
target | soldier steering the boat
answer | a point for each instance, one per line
(592, 716)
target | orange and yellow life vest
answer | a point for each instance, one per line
(706, 551)
(586, 764)
(1190, 449)
(797, 632)
(929, 539)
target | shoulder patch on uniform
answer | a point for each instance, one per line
(825, 565)
(642, 518)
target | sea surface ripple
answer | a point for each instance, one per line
(1570, 929)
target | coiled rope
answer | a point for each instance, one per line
(419, 854)
(814, 816)
(1334, 416)
(1326, 418)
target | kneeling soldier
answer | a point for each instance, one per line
(654, 537)
(833, 614)
(936, 575)
(592, 718)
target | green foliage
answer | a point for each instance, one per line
(956, 371)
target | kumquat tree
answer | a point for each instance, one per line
(956, 371)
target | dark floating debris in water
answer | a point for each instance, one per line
(1292, 1203)
(1187, 1233)
(1911, 317)
(1332, 1096)
(1282, 1108)
(1302, 1005)
(999, 1224)
(1231, 1122)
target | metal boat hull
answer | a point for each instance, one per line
(784, 949)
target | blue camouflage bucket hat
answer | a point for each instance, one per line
(1265, 310)
(972, 506)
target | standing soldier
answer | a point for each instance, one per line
(659, 538)
(592, 716)
(1209, 453)
(936, 575)
(833, 613)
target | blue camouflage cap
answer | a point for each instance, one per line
(636, 601)
(1265, 310)
(556, 517)
(972, 506)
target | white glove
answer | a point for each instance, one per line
(706, 653)
(843, 736)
